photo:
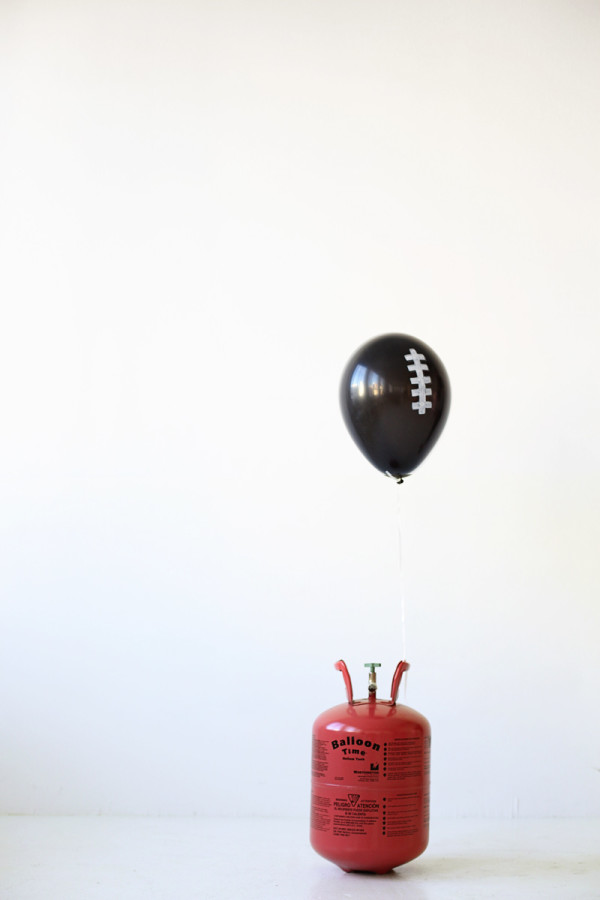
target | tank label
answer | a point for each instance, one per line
(354, 815)
(319, 758)
(404, 758)
(394, 814)
(362, 786)
(355, 760)
(351, 741)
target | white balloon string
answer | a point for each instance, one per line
(401, 583)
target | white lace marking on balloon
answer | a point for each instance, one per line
(421, 391)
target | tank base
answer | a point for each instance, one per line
(367, 861)
(367, 871)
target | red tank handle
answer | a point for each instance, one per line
(401, 668)
(341, 666)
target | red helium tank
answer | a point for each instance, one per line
(370, 780)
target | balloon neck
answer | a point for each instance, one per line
(399, 479)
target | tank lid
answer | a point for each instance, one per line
(401, 668)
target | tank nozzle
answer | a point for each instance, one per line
(372, 677)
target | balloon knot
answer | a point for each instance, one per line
(399, 479)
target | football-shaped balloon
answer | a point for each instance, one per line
(395, 399)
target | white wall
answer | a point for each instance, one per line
(208, 206)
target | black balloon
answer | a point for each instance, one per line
(395, 398)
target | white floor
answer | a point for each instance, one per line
(96, 858)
